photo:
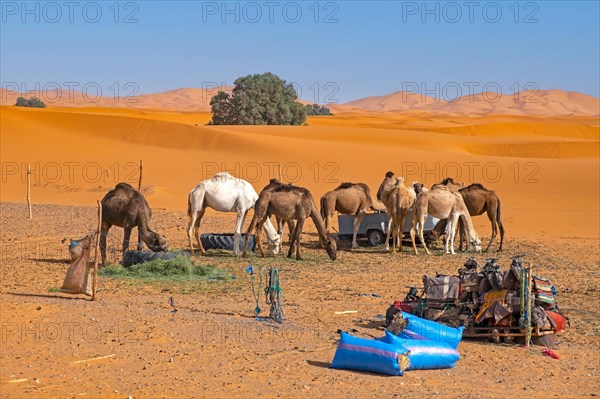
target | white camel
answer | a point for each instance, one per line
(226, 193)
(443, 204)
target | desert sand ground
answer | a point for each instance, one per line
(545, 170)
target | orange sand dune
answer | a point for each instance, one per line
(539, 102)
(546, 170)
(186, 99)
(398, 101)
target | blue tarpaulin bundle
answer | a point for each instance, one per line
(421, 329)
(424, 354)
(354, 353)
(423, 345)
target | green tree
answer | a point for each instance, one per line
(261, 99)
(33, 102)
(316, 109)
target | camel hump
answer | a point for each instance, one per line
(448, 180)
(124, 186)
(222, 175)
(346, 185)
(476, 186)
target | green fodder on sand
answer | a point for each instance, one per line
(180, 268)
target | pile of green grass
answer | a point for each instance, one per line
(179, 269)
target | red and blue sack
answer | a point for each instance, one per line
(424, 355)
(354, 353)
(421, 329)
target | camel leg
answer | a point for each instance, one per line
(251, 228)
(327, 223)
(103, 233)
(292, 241)
(126, 237)
(259, 231)
(453, 222)
(394, 234)
(421, 227)
(389, 231)
(358, 217)
(499, 222)
(412, 231)
(199, 217)
(492, 218)
(237, 233)
(401, 230)
(298, 237)
(449, 235)
(190, 230)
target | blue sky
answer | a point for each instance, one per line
(333, 51)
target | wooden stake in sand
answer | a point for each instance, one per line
(29, 190)
(529, 305)
(97, 250)
(140, 181)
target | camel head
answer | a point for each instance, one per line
(331, 247)
(476, 242)
(388, 182)
(418, 187)
(275, 245)
(156, 242)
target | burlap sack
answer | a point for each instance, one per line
(78, 279)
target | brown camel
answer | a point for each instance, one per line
(126, 207)
(289, 202)
(398, 200)
(348, 199)
(478, 200)
(442, 204)
(274, 183)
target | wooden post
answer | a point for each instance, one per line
(29, 191)
(280, 175)
(529, 305)
(140, 181)
(97, 250)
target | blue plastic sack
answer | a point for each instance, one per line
(354, 353)
(422, 329)
(425, 355)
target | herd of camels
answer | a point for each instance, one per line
(448, 201)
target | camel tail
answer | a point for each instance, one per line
(190, 204)
(322, 203)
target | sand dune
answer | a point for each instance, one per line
(541, 103)
(540, 166)
(186, 99)
(538, 103)
(398, 101)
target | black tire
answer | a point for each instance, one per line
(375, 237)
(135, 257)
(225, 241)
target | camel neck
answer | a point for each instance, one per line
(315, 216)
